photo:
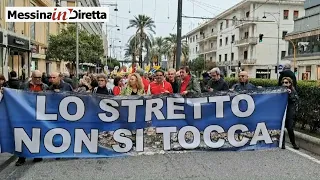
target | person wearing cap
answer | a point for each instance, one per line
(159, 86)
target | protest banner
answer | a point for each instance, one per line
(69, 125)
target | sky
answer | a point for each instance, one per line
(163, 12)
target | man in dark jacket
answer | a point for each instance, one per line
(243, 83)
(14, 82)
(287, 73)
(216, 83)
(57, 84)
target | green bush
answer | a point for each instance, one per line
(309, 100)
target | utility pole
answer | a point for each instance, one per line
(278, 51)
(179, 23)
(77, 47)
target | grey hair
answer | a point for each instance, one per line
(216, 70)
(140, 72)
(287, 66)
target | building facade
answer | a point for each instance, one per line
(233, 36)
(23, 44)
(306, 40)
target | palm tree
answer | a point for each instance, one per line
(185, 51)
(131, 49)
(143, 24)
(158, 49)
(171, 47)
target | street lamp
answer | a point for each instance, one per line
(278, 26)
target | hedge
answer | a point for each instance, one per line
(308, 115)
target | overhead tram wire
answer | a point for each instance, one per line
(197, 17)
(159, 22)
(209, 5)
(201, 7)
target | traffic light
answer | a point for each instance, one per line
(260, 37)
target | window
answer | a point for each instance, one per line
(196, 37)
(32, 27)
(221, 26)
(212, 30)
(283, 54)
(225, 57)
(295, 15)
(234, 19)
(232, 38)
(11, 25)
(285, 14)
(245, 55)
(220, 58)
(220, 42)
(226, 40)
(284, 33)
(247, 14)
(211, 58)
(196, 49)
(227, 23)
(246, 35)
(193, 39)
(232, 56)
(48, 32)
(211, 45)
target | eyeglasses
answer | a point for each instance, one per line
(285, 82)
(242, 76)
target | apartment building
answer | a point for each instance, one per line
(24, 44)
(306, 40)
(232, 36)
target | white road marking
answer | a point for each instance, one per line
(304, 155)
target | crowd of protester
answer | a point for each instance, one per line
(144, 83)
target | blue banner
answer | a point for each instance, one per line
(69, 125)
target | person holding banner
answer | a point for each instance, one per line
(188, 83)
(173, 80)
(117, 85)
(134, 86)
(35, 85)
(291, 110)
(159, 86)
(243, 83)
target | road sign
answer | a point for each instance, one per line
(280, 67)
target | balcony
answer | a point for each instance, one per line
(227, 63)
(207, 36)
(246, 21)
(251, 61)
(208, 50)
(246, 41)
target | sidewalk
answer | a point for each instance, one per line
(5, 160)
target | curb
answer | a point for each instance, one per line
(309, 143)
(7, 162)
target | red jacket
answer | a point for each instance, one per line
(156, 88)
(116, 90)
(145, 84)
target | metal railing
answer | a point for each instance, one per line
(248, 61)
(249, 40)
(246, 20)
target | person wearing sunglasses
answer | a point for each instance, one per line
(291, 110)
(159, 86)
(243, 83)
(216, 83)
(34, 85)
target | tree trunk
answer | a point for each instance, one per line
(141, 48)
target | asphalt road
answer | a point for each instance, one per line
(270, 164)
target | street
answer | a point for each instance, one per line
(270, 164)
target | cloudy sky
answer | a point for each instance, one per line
(163, 12)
